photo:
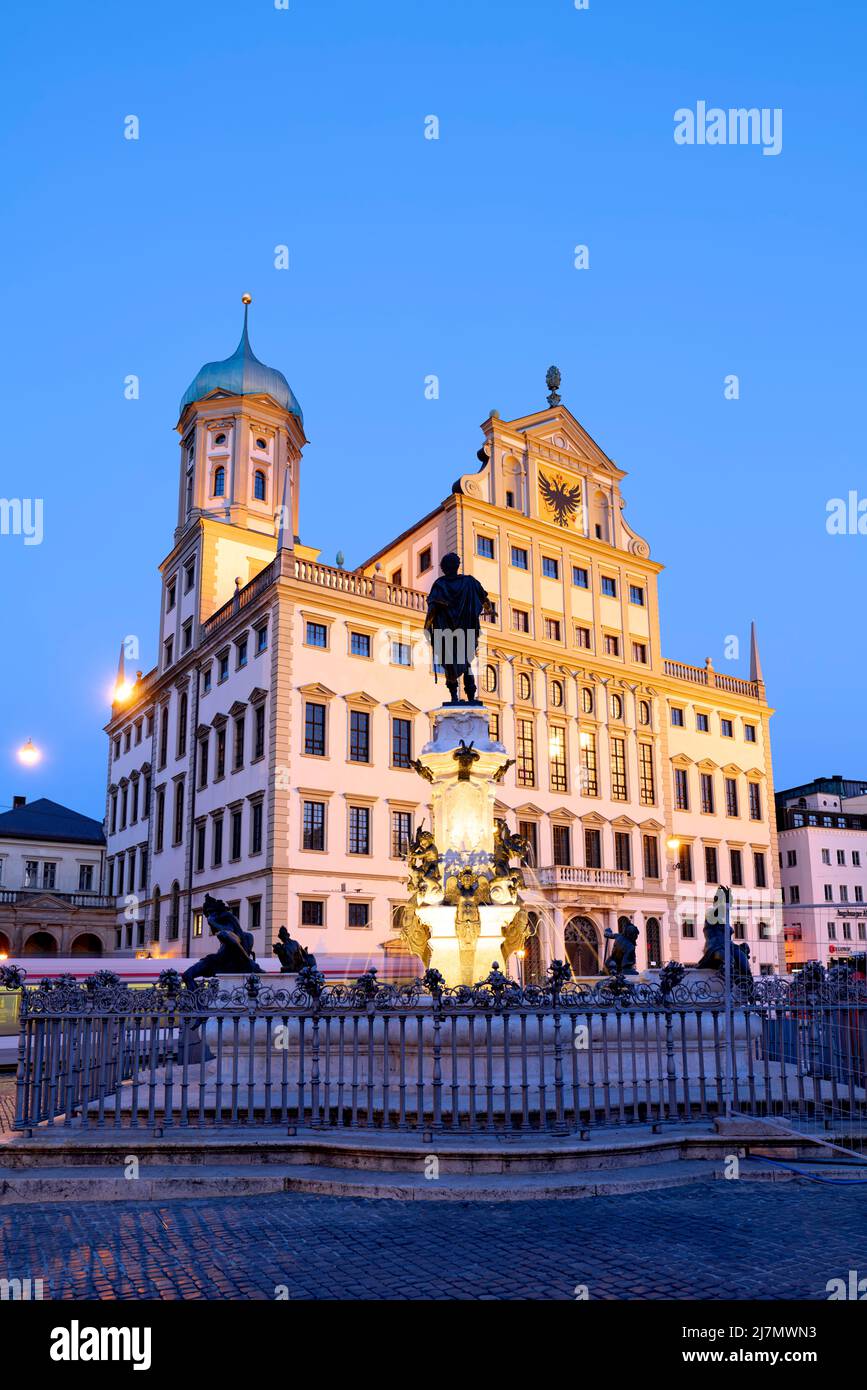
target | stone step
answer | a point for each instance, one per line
(162, 1182)
(394, 1153)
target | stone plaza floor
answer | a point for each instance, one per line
(717, 1240)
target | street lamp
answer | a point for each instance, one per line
(520, 954)
(28, 753)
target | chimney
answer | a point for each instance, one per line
(18, 802)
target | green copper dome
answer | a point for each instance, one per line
(242, 374)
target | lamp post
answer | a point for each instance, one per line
(520, 955)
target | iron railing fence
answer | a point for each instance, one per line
(562, 1057)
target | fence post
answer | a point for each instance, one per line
(730, 1031)
(560, 1126)
(670, 1069)
(315, 1118)
(437, 1064)
(23, 1103)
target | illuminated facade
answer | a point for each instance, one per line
(266, 759)
(822, 829)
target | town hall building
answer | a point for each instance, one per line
(268, 757)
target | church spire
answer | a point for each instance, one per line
(755, 662)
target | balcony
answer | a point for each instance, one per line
(572, 876)
(713, 680)
(349, 582)
(17, 896)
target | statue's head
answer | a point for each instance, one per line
(425, 839)
(283, 934)
(450, 564)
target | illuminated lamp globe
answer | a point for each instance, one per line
(28, 753)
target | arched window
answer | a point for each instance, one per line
(220, 482)
(175, 914)
(616, 707)
(183, 710)
(557, 693)
(490, 679)
(582, 946)
(525, 687)
(157, 908)
(259, 485)
(644, 712)
(654, 941)
(587, 700)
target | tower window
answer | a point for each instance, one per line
(220, 482)
(259, 485)
(261, 444)
(220, 439)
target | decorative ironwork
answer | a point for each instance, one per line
(103, 993)
(494, 1055)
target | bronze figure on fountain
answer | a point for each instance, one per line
(455, 605)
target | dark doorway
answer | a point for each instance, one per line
(41, 943)
(86, 945)
(582, 946)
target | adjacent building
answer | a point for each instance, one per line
(822, 831)
(267, 757)
(52, 899)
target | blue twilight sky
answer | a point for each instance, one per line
(408, 257)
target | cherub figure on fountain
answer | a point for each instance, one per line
(425, 875)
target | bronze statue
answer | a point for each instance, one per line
(515, 933)
(465, 755)
(414, 933)
(467, 890)
(454, 607)
(714, 950)
(501, 771)
(424, 864)
(507, 846)
(235, 956)
(621, 960)
(291, 954)
(420, 768)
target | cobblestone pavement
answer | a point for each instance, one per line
(712, 1240)
(7, 1101)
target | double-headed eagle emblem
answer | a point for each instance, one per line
(563, 500)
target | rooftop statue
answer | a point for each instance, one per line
(454, 607)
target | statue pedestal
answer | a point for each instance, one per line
(472, 902)
(466, 964)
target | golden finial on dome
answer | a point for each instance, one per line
(246, 299)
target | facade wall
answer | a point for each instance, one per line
(60, 900)
(823, 868)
